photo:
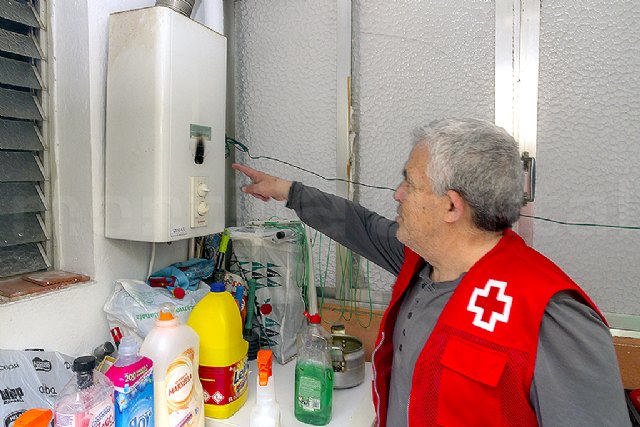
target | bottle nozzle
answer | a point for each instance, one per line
(167, 311)
(265, 358)
(313, 318)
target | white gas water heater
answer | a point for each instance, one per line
(165, 129)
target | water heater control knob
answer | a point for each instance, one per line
(203, 208)
(203, 190)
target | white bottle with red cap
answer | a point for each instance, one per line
(174, 349)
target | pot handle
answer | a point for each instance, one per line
(337, 359)
(338, 330)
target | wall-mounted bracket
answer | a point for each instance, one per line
(529, 164)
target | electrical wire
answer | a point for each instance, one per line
(152, 259)
(244, 149)
(581, 224)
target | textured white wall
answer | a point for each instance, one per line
(588, 134)
(413, 62)
(72, 321)
(286, 96)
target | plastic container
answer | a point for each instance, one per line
(34, 418)
(314, 374)
(266, 411)
(223, 352)
(86, 400)
(174, 349)
(132, 377)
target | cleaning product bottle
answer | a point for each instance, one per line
(223, 352)
(174, 349)
(132, 376)
(34, 418)
(314, 374)
(266, 412)
(86, 400)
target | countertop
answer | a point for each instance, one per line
(351, 407)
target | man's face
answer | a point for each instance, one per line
(418, 207)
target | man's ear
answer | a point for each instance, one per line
(457, 207)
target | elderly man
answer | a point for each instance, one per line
(481, 329)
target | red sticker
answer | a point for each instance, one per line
(223, 385)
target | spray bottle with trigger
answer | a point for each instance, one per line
(266, 412)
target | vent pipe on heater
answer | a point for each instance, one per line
(184, 7)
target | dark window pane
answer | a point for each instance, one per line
(19, 135)
(19, 229)
(18, 197)
(18, 73)
(21, 259)
(19, 166)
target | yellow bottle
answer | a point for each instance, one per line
(223, 352)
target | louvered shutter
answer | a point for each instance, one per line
(24, 185)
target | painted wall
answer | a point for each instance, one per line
(72, 321)
(407, 69)
(414, 62)
(588, 134)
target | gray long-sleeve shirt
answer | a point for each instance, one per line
(576, 380)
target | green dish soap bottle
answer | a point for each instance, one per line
(314, 374)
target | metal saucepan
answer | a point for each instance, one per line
(347, 355)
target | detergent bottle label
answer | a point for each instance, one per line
(180, 390)
(133, 385)
(223, 385)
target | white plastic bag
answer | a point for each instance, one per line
(272, 257)
(30, 379)
(134, 306)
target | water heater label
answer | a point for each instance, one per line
(197, 131)
(178, 231)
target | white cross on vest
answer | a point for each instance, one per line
(490, 305)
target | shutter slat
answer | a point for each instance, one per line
(19, 135)
(19, 197)
(19, 44)
(21, 259)
(18, 166)
(19, 229)
(18, 73)
(18, 12)
(18, 105)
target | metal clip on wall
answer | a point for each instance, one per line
(529, 164)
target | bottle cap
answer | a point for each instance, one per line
(166, 312)
(84, 364)
(34, 418)
(217, 287)
(313, 318)
(178, 292)
(265, 358)
(128, 346)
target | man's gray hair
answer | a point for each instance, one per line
(481, 162)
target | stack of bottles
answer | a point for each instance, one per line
(180, 373)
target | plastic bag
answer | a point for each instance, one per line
(134, 306)
(30, 379)
(272, 257)
(186, 275)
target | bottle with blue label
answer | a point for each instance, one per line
(132, 377)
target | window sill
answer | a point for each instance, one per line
(18, 289)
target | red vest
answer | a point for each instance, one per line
(477, 365)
